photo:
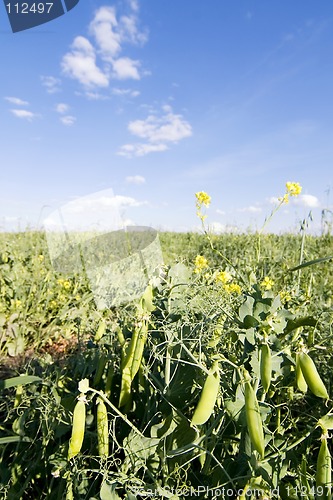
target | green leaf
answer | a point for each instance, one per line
(310, 263)
(14, 439)
(108, 492)
(21, 380)
(246, 309)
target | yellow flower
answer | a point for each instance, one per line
(285, 296)
(224, 277)
(293, 188)
(40, 258)
(267, 283)
(202, 198)
(232, 288)
(66, 284)
(200, 263)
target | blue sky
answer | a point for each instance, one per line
(157, 100)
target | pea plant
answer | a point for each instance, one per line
(215, 384)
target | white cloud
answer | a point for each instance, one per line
(109, 35)
(135, 179)
(102, 204)
(51, 84)
(139, 149)
(68, 120)
(62, 108)
(24, 114)
(125, 92)
(159, 131)
(304, 200)
(80, 64)
(251, 209)
(167, 128)
(96, 96)
(134, 4)
(125, 68)
(16, 101)
(307, 200)
(220, 212)
(104, 29)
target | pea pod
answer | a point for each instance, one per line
(312, 377)
(78, 425)
(324, 471)
(102, 429)
(265, 366)
(300, 380)
(208, 397)
(253, 419)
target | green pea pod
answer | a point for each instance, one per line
(208, 397)
(324, 471)
(100, 331)
(300, 380)
(78, 425)
(253, 419)
(311, 375)
(102, 429)
(265, 366)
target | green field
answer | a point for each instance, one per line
(206, 382)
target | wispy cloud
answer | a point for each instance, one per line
(68, 120)
(16, 101)
(24, 114)
(135, 179)
(130, 150)
(251, 209)
(51, 83)
(125, 92)
(158, 131)
(94, 62)
(62, 108)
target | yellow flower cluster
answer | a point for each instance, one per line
(224, 277)
(292, 189)
(64, 283)
(200, 263)
(267, 283)
(202, 199)
(285, 296)
(232, 288)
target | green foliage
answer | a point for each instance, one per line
(146, 365)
